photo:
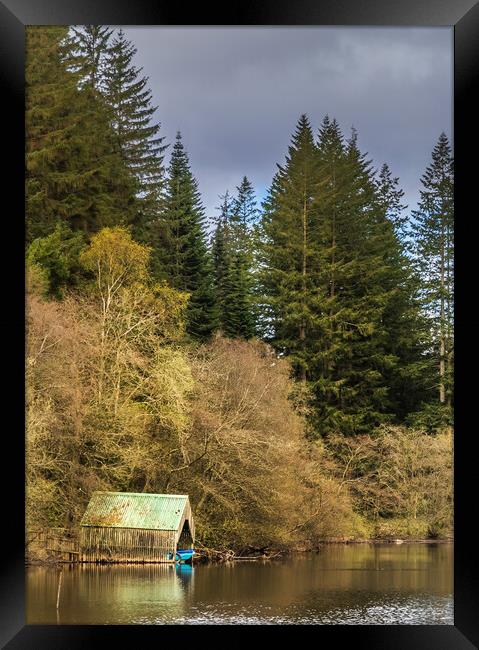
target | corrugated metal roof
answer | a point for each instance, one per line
(132, 510)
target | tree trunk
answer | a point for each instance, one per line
(448, 351)
(442, 333)
(332, 290)
(302, 327)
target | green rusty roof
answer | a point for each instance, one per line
(135, 510)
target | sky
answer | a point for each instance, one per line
(236, 93)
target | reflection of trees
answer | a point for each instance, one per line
(109, 594)
(338, 575)
(340, 581)
(134, 584)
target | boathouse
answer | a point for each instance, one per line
(135, 527)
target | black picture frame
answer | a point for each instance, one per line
(14, 15)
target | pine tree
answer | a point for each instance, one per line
(238, 319)
(289, 255)
(48, 89)
(72, 172)
(407, 376)
(244, 211)
(89, 56)
(334, 263)
(334, 283)
(183, 257)
(432, 232)
(233, 269)
(390, 197)
(369, 355)
(221, 252)
(349, 358)
(243, 283)
(130, 104)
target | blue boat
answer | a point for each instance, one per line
(184, 555)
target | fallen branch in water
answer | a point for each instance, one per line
(213, 554)
(228, 555)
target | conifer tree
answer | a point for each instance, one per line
(289, 256)
(183, 257)
(369, 365)
(349, 359)
(390, 197)
(72, 172)
(221, 252)
(244, 218)
(432, 231)
(244, 211)
(238, 318)
(234, 280)
(49, 88)
(335, 262)
(404, 325)
(89, 56)
(326, 224)
(130, 104)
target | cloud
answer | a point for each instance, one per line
(236, 94)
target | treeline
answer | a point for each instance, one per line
(239, 358)
(116, 400)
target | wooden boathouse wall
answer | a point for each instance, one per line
(100, 544)
(135, 528)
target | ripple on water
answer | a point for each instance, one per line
(419, 611)
(342, 585)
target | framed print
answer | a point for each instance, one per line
(231, 320)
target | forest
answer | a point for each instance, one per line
(287, 363)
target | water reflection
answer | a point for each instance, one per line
(367, 584)
(106, 594)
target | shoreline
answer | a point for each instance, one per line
(212, 556)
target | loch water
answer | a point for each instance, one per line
(358, 584)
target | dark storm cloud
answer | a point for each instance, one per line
(236, 94)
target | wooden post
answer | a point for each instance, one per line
(59, 587)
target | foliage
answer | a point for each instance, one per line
(143, 371)
(233, 261)
(220, 249)
(134, 412)
(113, 385)
(36, 280)
(398, 474)
(58, 256)
(73, 174)
(181, 255)
(432, 232)
(130, 106)
(251, 475)
(290, 259)
(91, 45)
(337, 284)
(431, 417)
(116, 259)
